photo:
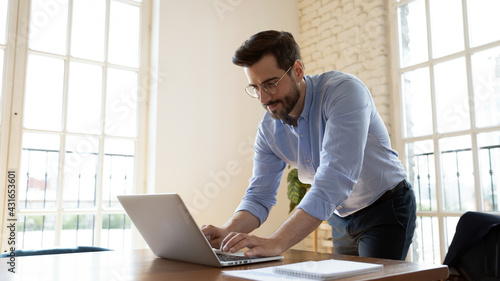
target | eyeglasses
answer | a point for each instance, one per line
(271, 88)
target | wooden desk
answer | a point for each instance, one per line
(143, 265)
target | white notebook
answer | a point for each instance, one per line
(327, 269)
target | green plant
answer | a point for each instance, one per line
(296, 189)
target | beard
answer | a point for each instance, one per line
(288, 104)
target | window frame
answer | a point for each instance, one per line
(400, 141)
(12, 113)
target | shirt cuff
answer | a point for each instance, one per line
(256, 209)
(316, 206)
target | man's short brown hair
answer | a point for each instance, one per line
(280, 44)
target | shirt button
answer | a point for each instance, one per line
(301, 135)
(308, 160)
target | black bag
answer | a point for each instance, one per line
(475, 249)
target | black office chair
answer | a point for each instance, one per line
(474, 252)
(54, 251)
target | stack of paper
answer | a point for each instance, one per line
(318, 270)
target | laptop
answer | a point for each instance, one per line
(171, 232)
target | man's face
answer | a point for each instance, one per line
(281, 104)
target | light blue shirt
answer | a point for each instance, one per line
(340, 146)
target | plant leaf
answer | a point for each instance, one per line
(294, 192)
(296, 189)
(293, 175)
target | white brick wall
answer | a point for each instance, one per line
(349, 36)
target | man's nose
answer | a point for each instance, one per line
(264, 97)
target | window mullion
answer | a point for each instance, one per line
(62, 147)
(15, 61)
(429, 31)
(472, 110)
(397, 135)
(5, 102)
(100, 161)
(435, 139)
(143, 91)
(468, 67)
(19, 56)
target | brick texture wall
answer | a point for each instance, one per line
(349, 36)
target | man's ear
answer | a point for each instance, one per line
(298, 70)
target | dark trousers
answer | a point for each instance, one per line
(382, 230)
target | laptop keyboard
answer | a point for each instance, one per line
(231, 258)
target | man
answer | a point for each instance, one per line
(328, 127)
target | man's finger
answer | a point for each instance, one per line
(225, 241)
(231, 240)
(252, 252)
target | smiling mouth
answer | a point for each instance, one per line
(272, 106)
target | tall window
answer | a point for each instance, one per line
(79, 91)
(447, 72)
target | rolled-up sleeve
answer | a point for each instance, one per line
(263, 186)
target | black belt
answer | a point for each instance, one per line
(389, 193)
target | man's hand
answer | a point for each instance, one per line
(295, 228)
(214, 235)
(258, 246)
(242, 221)
(232, 236)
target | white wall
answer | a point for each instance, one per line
(202, 124)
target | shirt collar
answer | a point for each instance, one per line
(308, 98)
